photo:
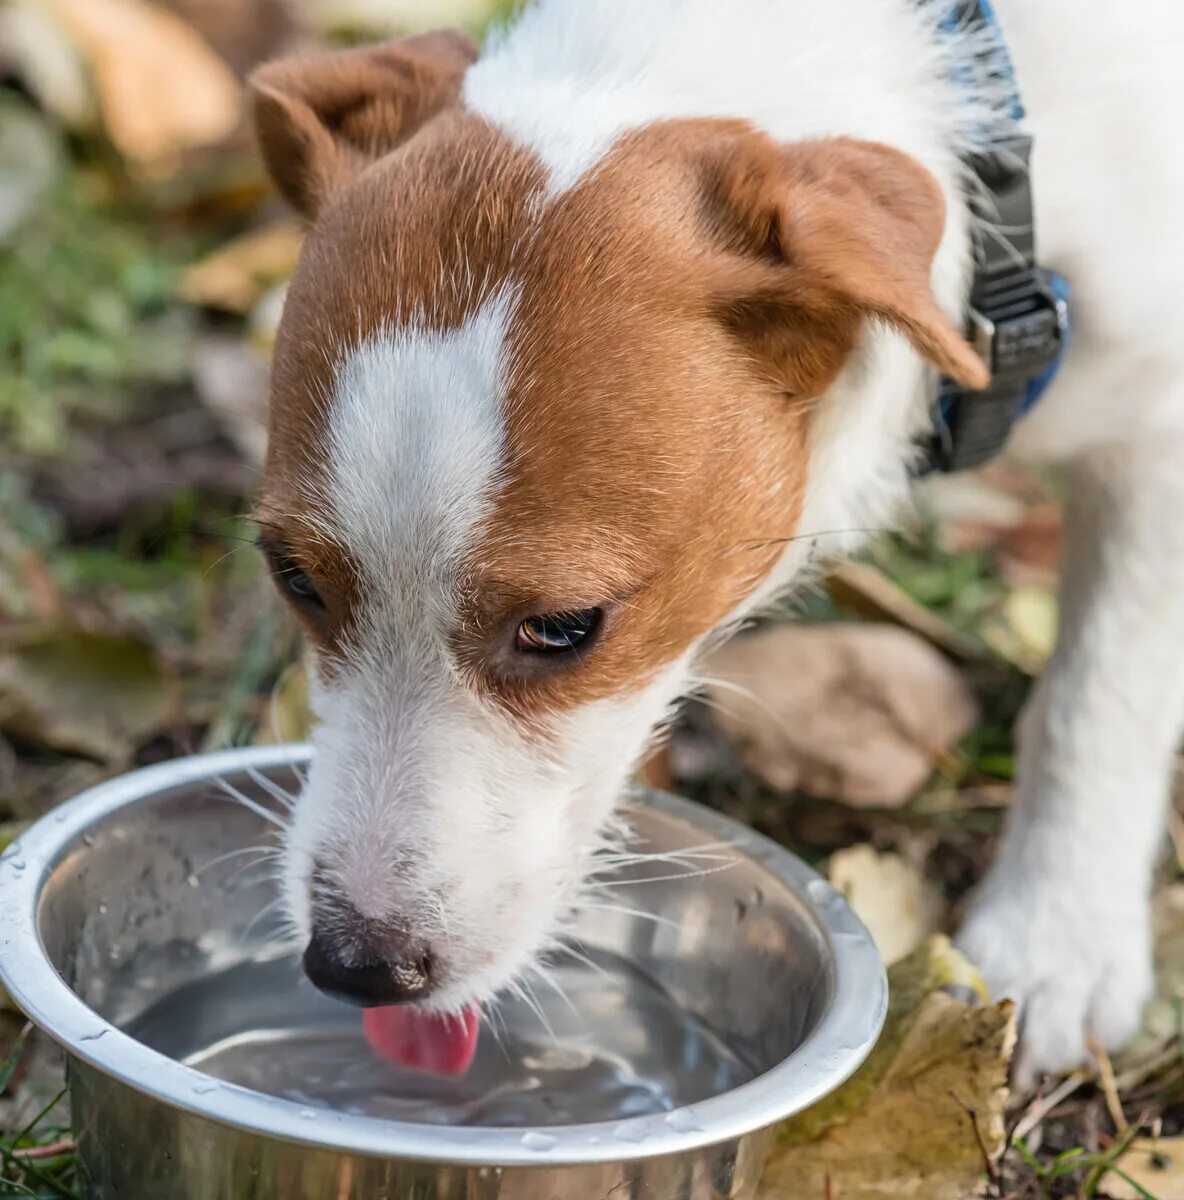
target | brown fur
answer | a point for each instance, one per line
(679, 312)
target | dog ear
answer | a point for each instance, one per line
(321, 120)
(822, 237)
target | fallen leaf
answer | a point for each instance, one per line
(919, 1116)
(236, 276)
(35, 50)
(289, 718)
(865, 590)
(1156, 1165)
(230, 376)
(1029, 554)
(30, 162)
(900, 907)
(161, 89)
(243, 32)
(1163, 1018)
(858, 713)
(1025, 631)
(80, 692)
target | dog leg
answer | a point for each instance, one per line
(1061, 923)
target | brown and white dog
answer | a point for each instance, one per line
(593, 338)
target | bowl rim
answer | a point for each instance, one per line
(830, 1054)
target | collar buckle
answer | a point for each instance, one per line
(1021, 330)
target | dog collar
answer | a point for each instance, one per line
(1019, 312)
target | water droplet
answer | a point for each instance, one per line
(88, 839)
(59, 817)
(822, 892)
(204, 1089)
(10, 851)
(307, 1114)
(102, 907)
(684, 1120)
(93, 1037)
(539, 1141)
(628, 1131)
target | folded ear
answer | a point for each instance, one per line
(822, 237)
(320, 120)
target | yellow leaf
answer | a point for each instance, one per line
(82, 693)
(235, 276)
(1027, 630)
(289, 718)
(900, 907)
(1155, 1164)
(161, 89)
(902, 1126)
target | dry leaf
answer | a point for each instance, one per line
(902, 1126)
(161, 89)
(241, 272)
(30, 162)
(900, 907)
(243, 32)
(1155, 1164)
(81, 693)
(1026, 629)
(35, 50)
(865, 590)
(859, 713)
(1163, 1018)
(230, 376)
(289, 718)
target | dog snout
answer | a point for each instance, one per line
(364, 961)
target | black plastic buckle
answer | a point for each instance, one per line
(1019, 333)
(1019, 326)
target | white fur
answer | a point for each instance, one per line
(1061, 923)
(423, 802)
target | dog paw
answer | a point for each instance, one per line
(1078, 965)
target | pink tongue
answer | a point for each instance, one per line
(425, 1041)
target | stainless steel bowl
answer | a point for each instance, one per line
(130, 896)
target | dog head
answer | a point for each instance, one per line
(528, 449)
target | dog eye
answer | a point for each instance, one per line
(297, 583)
(300, 585)
(557, 633)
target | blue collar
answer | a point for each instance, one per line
(1019, 312)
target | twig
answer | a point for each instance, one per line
(1042, 1106)
(50, 1150)
(990, 1165)
(1108, 1085)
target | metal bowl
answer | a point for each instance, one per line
(128, 924)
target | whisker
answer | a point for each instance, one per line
(230, 792)
(640, 914)
(269, 907)
(277, 792)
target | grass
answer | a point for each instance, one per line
(37, 1158)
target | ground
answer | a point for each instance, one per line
(142, 260)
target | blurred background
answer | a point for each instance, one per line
(143, 259)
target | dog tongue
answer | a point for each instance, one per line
(444, 1045)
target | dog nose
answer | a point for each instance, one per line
(384, 965)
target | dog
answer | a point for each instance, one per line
(596, 339)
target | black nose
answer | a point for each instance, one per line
(369, 965)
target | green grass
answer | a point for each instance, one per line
(46, 1175)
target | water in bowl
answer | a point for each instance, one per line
(603, 1042)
